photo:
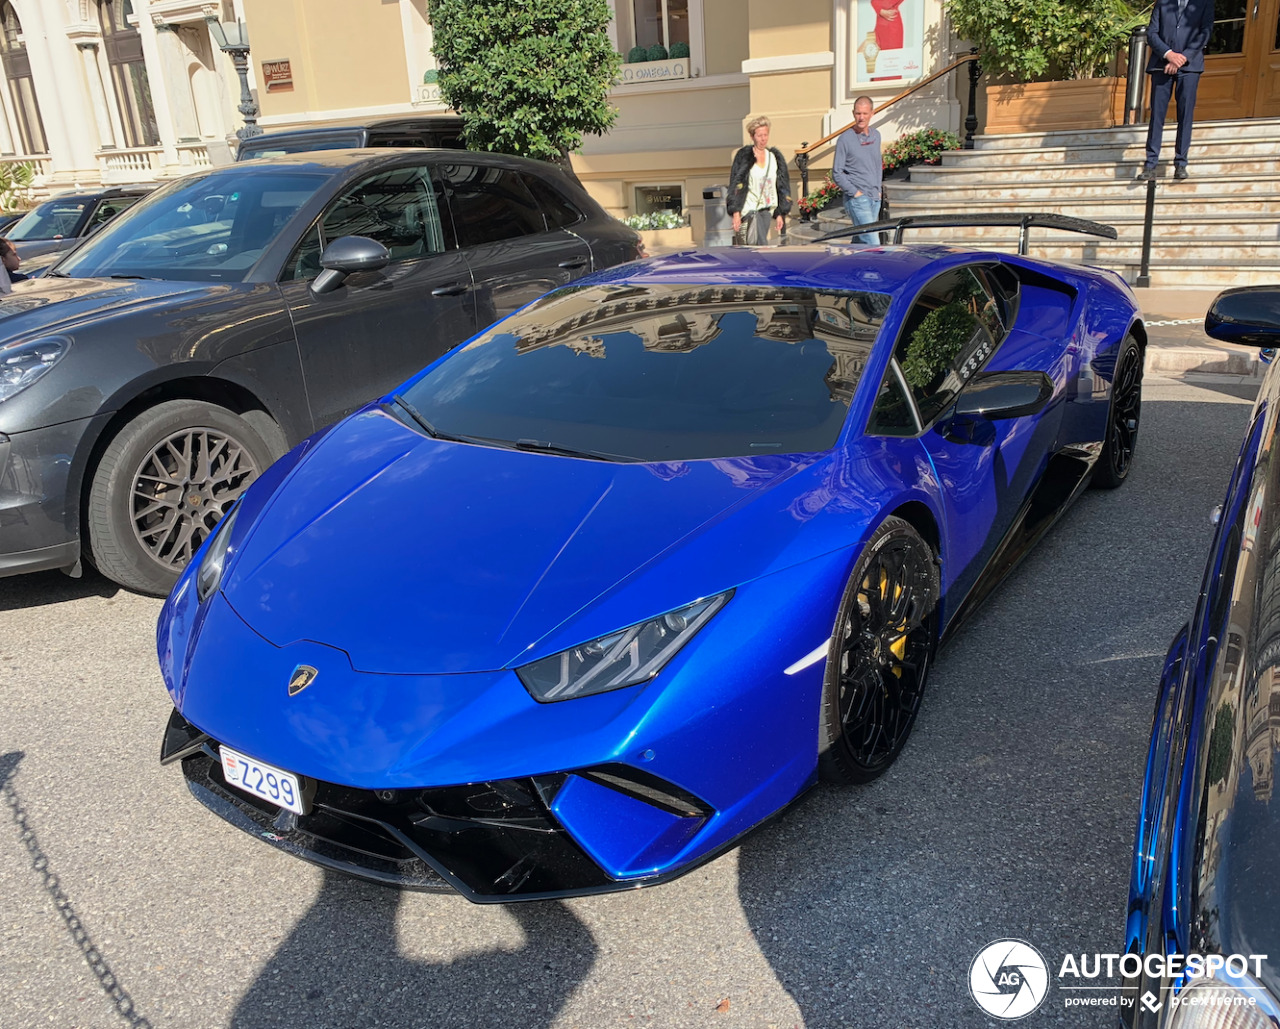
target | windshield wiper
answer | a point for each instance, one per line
(430, 429)
(56, 275)
(147, 277)
(546, 447)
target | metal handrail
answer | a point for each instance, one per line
(972, 58)
(973, 55)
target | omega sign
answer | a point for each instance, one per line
(654, 71)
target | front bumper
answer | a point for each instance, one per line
(491, 841)
(39, 523)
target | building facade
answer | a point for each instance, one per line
(130, 90)
(114, 91)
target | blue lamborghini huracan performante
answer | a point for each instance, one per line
(625, 574)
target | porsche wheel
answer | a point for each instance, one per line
(161, 487)
(1122, 419)
(881, 649)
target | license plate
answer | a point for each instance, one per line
(270, 783)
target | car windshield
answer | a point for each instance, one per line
(54, 219)
(278, 148)
(659, 373)
(208, 228)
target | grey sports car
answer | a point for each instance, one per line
(159, 367)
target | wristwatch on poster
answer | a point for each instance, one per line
(870, 51)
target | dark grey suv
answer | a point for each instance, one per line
(165, 363)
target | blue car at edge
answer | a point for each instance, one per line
(1204, 905)
(624, 575)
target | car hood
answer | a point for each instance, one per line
(416, 555)
(54, 304)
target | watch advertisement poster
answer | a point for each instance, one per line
(888, 39)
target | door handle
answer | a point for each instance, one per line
(452, 290)
(577, 262)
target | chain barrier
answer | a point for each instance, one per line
(1175, 321)
(40, 864)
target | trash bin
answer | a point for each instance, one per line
(719, 230)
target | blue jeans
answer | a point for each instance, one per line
(863, 211)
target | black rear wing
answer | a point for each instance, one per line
(949, 221)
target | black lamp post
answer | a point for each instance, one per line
(233, 39)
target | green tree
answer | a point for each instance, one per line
(1032, 39)
(528, 77)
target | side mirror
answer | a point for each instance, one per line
(1249, 315)
(346, 255)
(995, 395)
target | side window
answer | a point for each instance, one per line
(489, 204)
(107, 210)
(951, 331)
(558, 210)
(397, 208)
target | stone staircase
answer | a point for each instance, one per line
(1218, 228)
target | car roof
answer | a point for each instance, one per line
(105, 193)
(832, 266)
(424, 122)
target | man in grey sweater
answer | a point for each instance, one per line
(859, 169)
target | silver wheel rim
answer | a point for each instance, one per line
(183, 487)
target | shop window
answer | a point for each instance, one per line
(652, 199)
(663, 22)
(123, 46)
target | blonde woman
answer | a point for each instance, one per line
(759, 186)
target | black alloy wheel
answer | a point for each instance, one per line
(881, 649)
(163, 485)
(1122, 419)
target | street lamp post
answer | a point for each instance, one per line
(233, 39)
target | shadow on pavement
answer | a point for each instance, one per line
(341, 967)
(40, 588)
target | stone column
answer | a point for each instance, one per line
(101, 112)
(160, 97)
(64, 107)
(173, 69)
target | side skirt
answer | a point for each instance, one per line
(1065, 477)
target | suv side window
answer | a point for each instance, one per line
(489, 204)
(558, 210)
(397, 208)
(108, 209)
(951, 331)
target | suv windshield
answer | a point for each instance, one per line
(660, 373)
(208, 228)
(54, 219)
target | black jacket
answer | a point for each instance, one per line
(1186, 34)
(742, 162)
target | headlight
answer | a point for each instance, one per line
(1225, 1001)
(622, 658)
(22, 363)
(209, 574)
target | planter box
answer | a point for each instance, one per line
(1054, 106)
(681, 237)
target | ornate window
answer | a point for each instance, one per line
(123, 46)
(17, 70)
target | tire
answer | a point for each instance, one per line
(162, 485)
(881, 649)
(1123, 417)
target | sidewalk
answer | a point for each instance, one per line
(1176, 340)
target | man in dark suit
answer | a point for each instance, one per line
(1178, 33)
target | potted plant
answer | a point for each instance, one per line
(1055, 56)
(925, 146)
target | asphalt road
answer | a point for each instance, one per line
(1010, 814)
